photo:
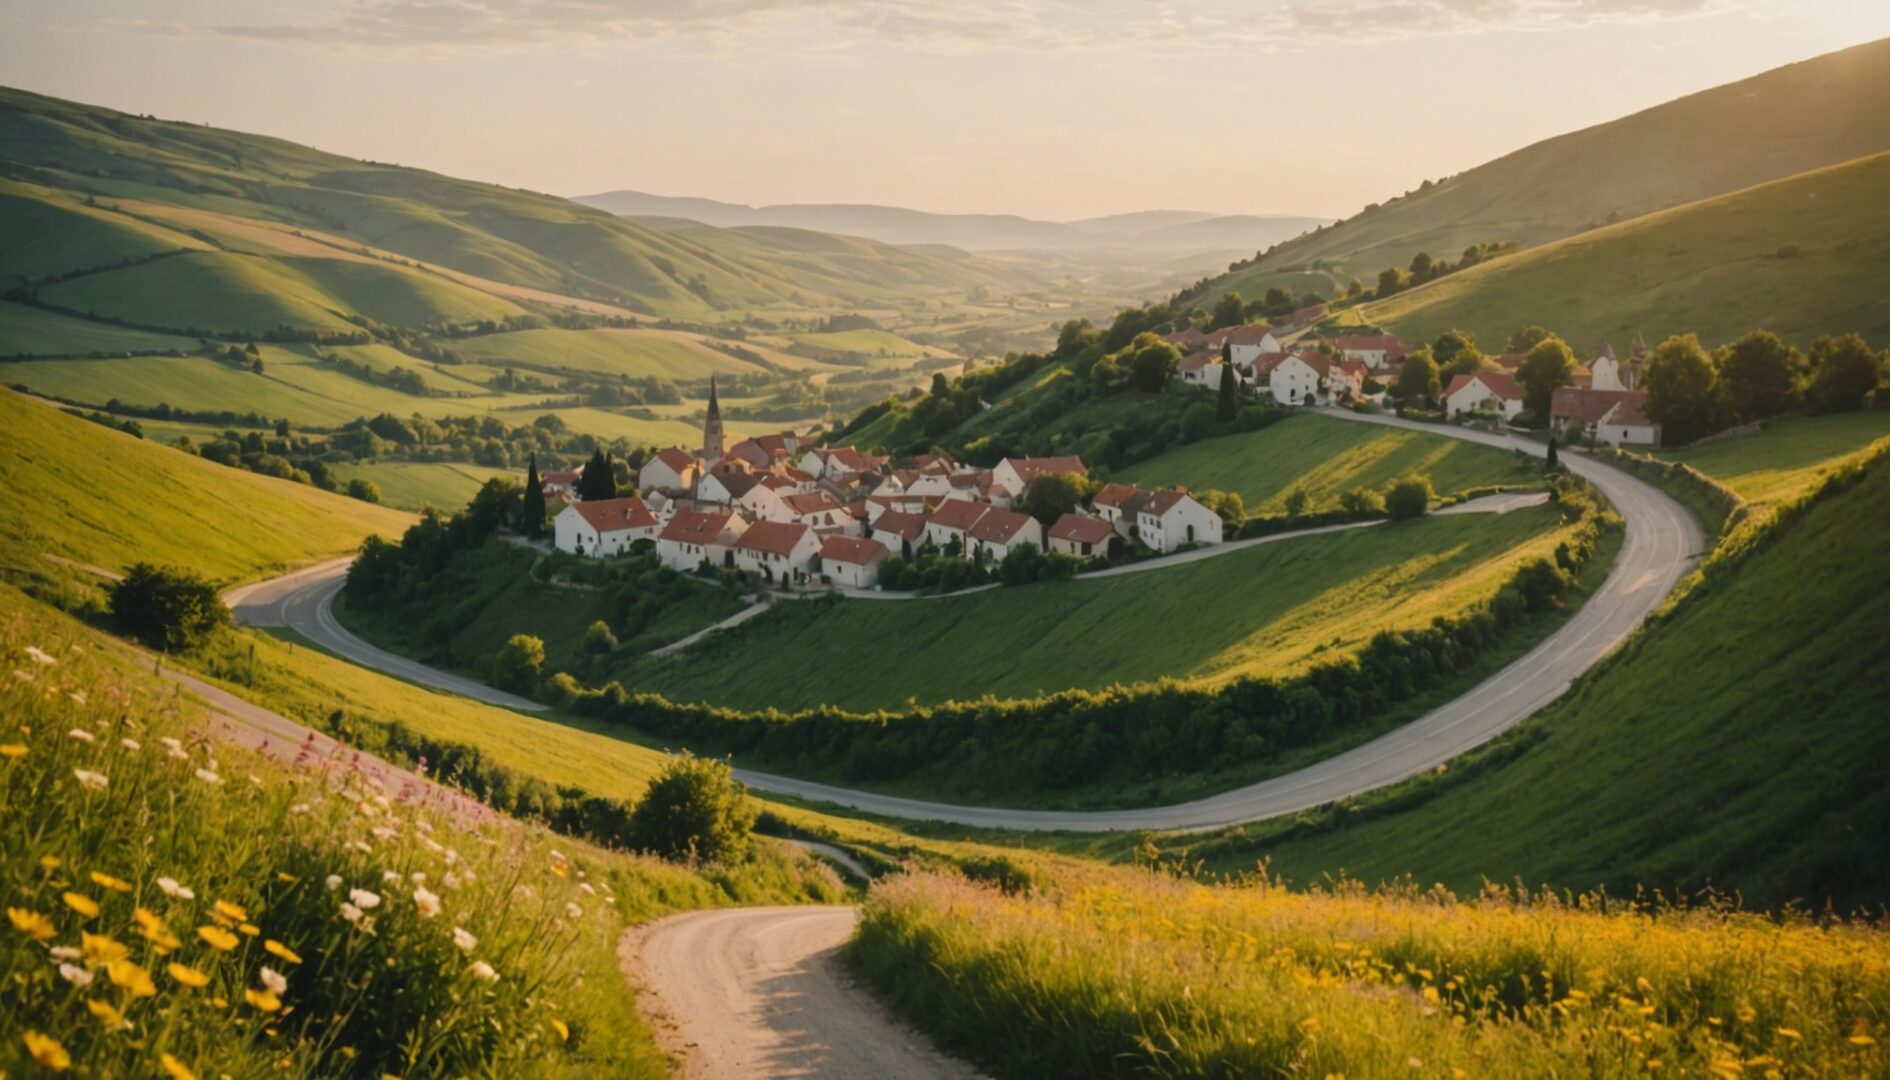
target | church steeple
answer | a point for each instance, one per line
(712, 428)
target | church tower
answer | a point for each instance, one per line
(712, 429)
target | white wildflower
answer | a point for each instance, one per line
(75, 974)
(450, 880)
(38, 655)
(65, 952)
(333, 882)
(208, 776)
(574, 911)
(80, 734)
(419, 877)
(77, 696)
(364, 899)
(300, 808)
(428, 903)
(89, 778)
(451, 856)
(390, 875)
(171, 742)
(172, 888)
(484, 971)
(586, 886)
(350, 912)
(130, 744)
(21, 675)
(465, 941)
(274, 980)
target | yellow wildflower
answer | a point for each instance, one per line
(175, 1069)
(188, 976)
(49, 862)
(104, 1011)
(277, 948)
(564, 1033)
(217, 938)
(250, 928)
(131, 978)
(100, 949)
(47, 1052)
(286, 878)
(31, 923)
(106, 881)
(263, 1000)
(233, 912)
(1862, 1040)
(11, 749)
(82, 904)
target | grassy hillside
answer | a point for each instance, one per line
(1273, 609)
(1803, 256)
(412, 485)
(660, 353)
(30, 331)
(1792, 455)
(83, 492)
(48, 235)
(1736, 742)
(1325, 458)
(1793, 119)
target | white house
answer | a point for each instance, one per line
(1172, 518)
(724, 485)
(1495, 391)
(838, 462)
(1081, 535)
(1616, 417)
(602, 527)
(952, 520)
(1202, 369)
(1295, 379)
(1246, 343)
(999, 532)
(777, 550)
(1627, 424)
(1375, 350)
(900, 532)
(1117, 504)
(850, 561)
(559, 484)
(1015, 474)
(695, 535)
(668, 469)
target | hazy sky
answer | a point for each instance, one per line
(1040, 107)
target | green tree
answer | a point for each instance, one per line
(1409, 498)
(1422, 268)
(1075, 336)
(1227, 505)
(365, 490)
(1152, 363)
(1554, 460)
(166, 608)
(1758, 376)
(695, 810)
(1362, 501)
(1227, 406)
(1196, 423)
(598, 639)
(1681, 392)
(1417, 380)
(1527, 338)
(1391, 280)
(1053, 495)
(1843, 374)
(1229, 310)
(1296, 502)
(532, 510)
(1455, 353)
(1549, 365)
(598, 480)
(519, 664)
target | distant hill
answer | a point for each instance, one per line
(1803, 256)
(1151, 230)
(1793, 119)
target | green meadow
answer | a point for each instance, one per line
(1790, 456)
(413, 485)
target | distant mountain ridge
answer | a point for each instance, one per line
(1150, 230)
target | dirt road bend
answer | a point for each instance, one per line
(760, 992)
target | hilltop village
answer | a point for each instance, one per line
(801, 516)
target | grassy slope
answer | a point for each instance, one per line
(1324, 458)
(1735, 742)
(98, 496)
(613, 352)
(49, 234)
(1789, 457)
(30, 331)
(1266, 610)
(1827, 110)
(411, 485)
(1710, 267)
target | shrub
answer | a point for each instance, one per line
(1409, 498)
(1362, 501)
(695, 809)
(598, 639)
(166, 608)
(365, 490)
(520, 662)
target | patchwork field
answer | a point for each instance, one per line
(31, 331)
(637, 353)
(1325, 458)
(412, 485)
(1268, 610)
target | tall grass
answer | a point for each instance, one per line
(1133, 973)
(178, 907)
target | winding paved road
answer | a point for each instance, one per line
(1662, 543)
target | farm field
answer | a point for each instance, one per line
(1268, 610)
(412, 485)
(637, 353)
(877, 347)
(31, 331)
(226, 523)
(50, 233)
(1789, 457)
(1325, 458)
(1721, 745)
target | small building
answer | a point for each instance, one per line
(1376, 351)
(602, 527)
(851, 562)
(1081, 535)
(1013, 475)
(780, 551)
(725, 485)
(1243, 343)
(900, 532)
(693, 537)
(668, 469)
(1172, 519)
(1492, 391)
(999, 532)
(560, 484)
(1202, 369)
(1299, 378)
(1616, 417)
(817, 510)
(1112, 504)
(952, 521)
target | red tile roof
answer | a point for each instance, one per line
(697, 527)
(561, 477)
(1199, 360)
(773, 537)
(613, 515)
(1367, 343)
(1160, 502)
(1114, 494)
(903, 525)
(999, 526)
(1252, 334)
(810, 502)
(1080, 529)
(1029, 469)
(851, 549)
(959, 514)
(1500, 383)
(1590, 406)
(737, 484)
(674, 458)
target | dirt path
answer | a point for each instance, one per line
(760, 992)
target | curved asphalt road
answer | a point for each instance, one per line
(1662, 543)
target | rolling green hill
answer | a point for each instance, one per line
(1268, 610)
(1737, 741)
(1830, 109)
(1803, 256)
(79, 491)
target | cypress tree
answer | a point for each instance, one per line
(534, 509)
(1554, 462)
(597, 481)
(1227, 407)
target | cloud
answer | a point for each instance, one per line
(1209, 27)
